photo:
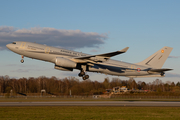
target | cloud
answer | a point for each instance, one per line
(172, 75)
(52, 37)
(173, 56)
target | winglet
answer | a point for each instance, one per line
(124, 50)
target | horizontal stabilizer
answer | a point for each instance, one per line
(159, 70)
(145, 76)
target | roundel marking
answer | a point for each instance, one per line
(162, 51)
(138, 69)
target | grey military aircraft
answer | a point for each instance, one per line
(67, 60)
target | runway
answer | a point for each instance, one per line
(96, 103)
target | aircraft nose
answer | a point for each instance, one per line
(8, 46)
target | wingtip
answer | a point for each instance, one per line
(124, 50)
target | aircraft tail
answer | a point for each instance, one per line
(157, 59)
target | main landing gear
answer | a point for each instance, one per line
(83, 75)
(162, 74)
(22, 60)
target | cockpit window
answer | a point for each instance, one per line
(14, 43)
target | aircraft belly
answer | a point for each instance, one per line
(112, 68)
(136, 73)
(142, 73)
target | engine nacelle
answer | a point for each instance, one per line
(63, 62)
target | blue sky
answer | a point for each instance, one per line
(144, 26)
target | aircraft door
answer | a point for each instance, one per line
(133, 67)
(23, 44)
(47, 50)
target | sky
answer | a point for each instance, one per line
(92, 27)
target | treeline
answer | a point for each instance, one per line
(79, 87)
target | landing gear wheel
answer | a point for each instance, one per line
(82, 73)
(86, 76)
(22, 60)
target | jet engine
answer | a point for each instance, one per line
(63, 62)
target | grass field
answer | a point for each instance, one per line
(89, 113)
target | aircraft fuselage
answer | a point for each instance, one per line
(66, 60)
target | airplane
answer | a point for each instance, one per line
(67, 60)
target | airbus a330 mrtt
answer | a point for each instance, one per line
(68, 60)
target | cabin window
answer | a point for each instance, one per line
(14, 43)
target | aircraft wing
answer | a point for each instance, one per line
(101, 57)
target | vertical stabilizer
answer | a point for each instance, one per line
(157, 59)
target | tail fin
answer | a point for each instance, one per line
(157, 59)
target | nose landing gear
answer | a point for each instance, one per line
(83, 75)
(22, 60)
